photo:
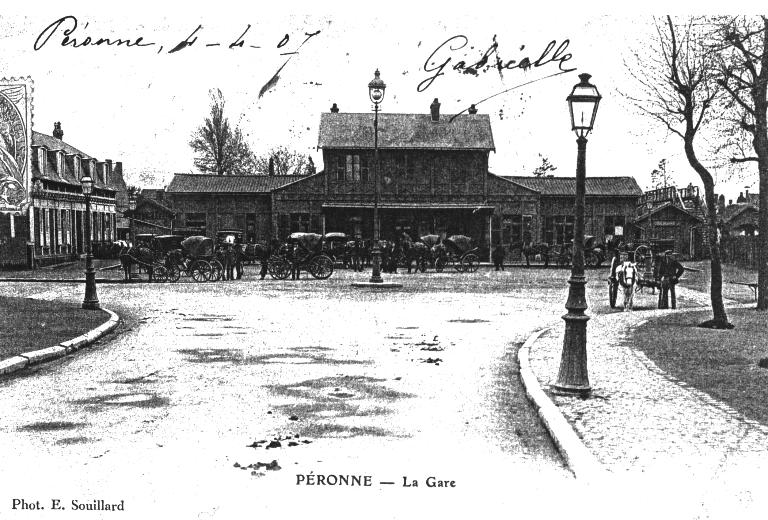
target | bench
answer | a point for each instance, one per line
(751, 285)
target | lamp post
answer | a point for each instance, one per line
(376, 92)
(132, 208)
(91, 300)
(573, 377)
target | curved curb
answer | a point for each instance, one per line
(16, 363)
(578, 458)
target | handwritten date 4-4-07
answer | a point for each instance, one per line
(68, 32)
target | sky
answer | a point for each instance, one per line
(140, 105)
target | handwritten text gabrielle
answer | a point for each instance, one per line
(447, 52)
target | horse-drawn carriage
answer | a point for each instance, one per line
(456, 251)
(303, 251)
(338, 248)
(194, 257)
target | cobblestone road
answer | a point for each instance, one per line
(398, 385)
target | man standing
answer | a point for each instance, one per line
(356, 254)
(498, 257)
(670, 271)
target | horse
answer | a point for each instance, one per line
(137, 255)
(627, 276)
(414, 251)
(530, 249)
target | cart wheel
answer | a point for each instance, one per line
(439, 265)
(643, 257)
(159, 274)
(422, 265)
(278, 267)
(320, 267)
(456, 265)
(201, 271)
(217, 271)
(173, 273)
(613, 291)
(470, 263)
(591, 259)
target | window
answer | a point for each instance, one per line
(299, 222)
(364, 168)
(558, 229)
(340, 167)
(614, 225)
(353, 168)
(517, 229)
(410, 166)
(195, 220)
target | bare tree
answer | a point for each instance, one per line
(660, 177)
(218, 147)
(281, 161)
(743, 71)
(544, 168)
(677, 78)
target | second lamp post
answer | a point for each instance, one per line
(376, 92)
(573, 377)
(91, 300)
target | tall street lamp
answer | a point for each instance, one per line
(376, 92)
(573, 377)
(132, 208)
(91, 300)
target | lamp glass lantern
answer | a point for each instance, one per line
(87, 183)
(376, 89)
(583, 102)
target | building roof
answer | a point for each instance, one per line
(734, 210)
(672, 206)
(153, 203)
(406, 131)
(204, 183)
(68, 176)
(566, 186)
(52, 144)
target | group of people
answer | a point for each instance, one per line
(667, 271)
(231, 257)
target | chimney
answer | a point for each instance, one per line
(741, 198)
(435, 109)
(57, 132)
(334, 109)
(473, 109)
(730, 202)
(271, 165)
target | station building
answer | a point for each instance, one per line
(433, 178)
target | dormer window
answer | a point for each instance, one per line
(77, 167)
(60, 168)
(42, 160)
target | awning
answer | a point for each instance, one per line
(407, 205)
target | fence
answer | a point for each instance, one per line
(743, 251)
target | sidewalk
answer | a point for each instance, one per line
(66, 273)
(654, 432)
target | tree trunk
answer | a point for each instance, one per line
(720, 318)
(762, 272)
